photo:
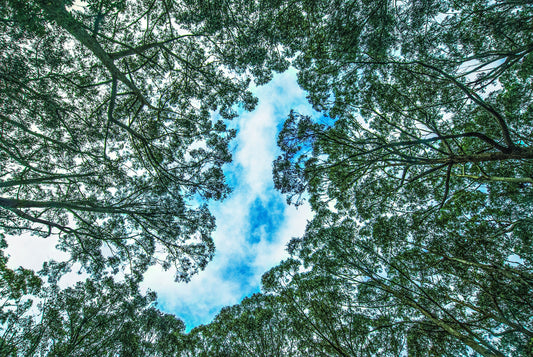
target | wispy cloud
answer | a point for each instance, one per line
(253, 225)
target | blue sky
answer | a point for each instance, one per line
(254, 223)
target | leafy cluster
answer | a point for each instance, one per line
(97, 317)
(106, 131)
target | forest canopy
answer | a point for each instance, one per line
(419, 172)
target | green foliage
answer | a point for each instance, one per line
(106, 129)
(421, 181)
(258, 326)
(16, 290)
(420, 172)
(109, 142)
(420, 175)
(99, 317)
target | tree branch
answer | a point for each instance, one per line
(9, 203)
(478, 100)
(57, 12)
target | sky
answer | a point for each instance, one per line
(254, 224)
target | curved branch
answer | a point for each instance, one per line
(478, 100)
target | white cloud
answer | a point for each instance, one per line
(31, 252)
(256, 148)
(240, 262)
(270, 253)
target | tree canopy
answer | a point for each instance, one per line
(113, 137)
(417, 99)
(420, 176)
(95, 317)
(419, 171)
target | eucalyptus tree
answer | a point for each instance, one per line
(107, 139)
(421, 169)
(426, 99)
(415, 291)
(16, 286)
(258, 326)
(326, 319)
(99, 317)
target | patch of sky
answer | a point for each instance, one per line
(264, 218)
(514, 261)
(483, 188)
(240, 273)
(254, 224)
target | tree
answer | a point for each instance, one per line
(15, 286)
(326, 319)
(258, 326)
(420, 170)
(422, 289)
(99, 317)
(419, 101)
(106, 133)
